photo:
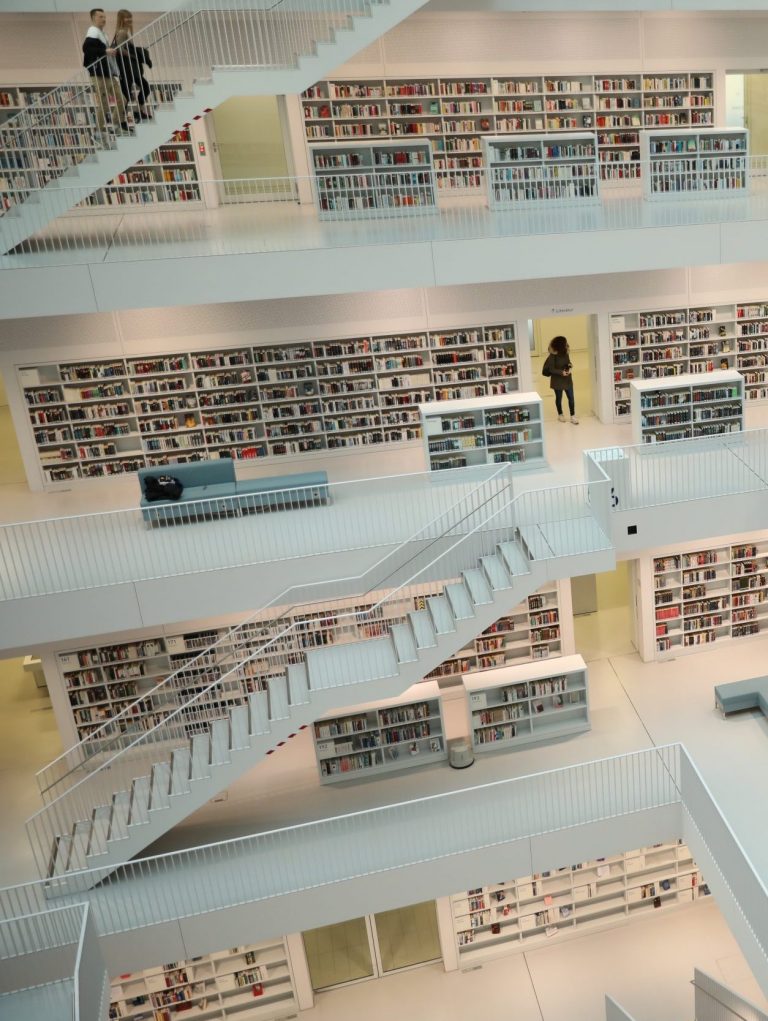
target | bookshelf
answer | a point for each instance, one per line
(93, 419)
(539, 628)
(484, 430)
(253, 981)
(166, 176)
(530, 169)
(703, 596)
(389, 178)
(382, 737)
(695, 161)
(453, 114)
(521, 705)
(507, 917)
(687, 406)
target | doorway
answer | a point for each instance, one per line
(372, 946)
(603, 614)
(746, 106)
(250, 147)
(581, 334)
(11, 464)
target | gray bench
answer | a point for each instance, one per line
(737, 695)
(212, 490)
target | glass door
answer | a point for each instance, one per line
(340, 953)
(407, 937)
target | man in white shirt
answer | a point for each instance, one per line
(99, 60)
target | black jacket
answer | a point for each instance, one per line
(130, 61)
(95, 58)
(555, 367)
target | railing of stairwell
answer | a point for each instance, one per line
(158, 541)
(285, 213)
(568, 509)
(676, 471)
(459, 505)
(311, 855)
(715, 1001)
(615, 1012)
(185, 45)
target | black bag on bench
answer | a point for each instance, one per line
(162, 487)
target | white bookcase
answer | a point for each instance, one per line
(254, 982)
(382, 737)
(167, 175)
(698, 162)
(484, 430)
(98, 681)
(531, 169)
(93, 419)
(521, 705)
(491, 921)
(388, 178)
(454, 113)
(698, 597)
(687, 406)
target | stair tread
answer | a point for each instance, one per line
(61, 854)
(496, 573)
(298, 683)
(460, 602)
(99, 830)
(139, 801)
(118, 824)
(479, 590)
(181, 765)
(423, 629)
(514, 558)
(405, 643)
(442, 617)
(352, 663)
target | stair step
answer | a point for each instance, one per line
(181, 766)
(81, 838)
(442, 617)
(160, 787)
(139, 801)
(405, 643)
(258, 705)
(479, 590)
(99, 830)
(461, 604)
(298, 683)
(421, 621)
(220, 742)
(61, 852)
(514, 558)
(201, 757)
(353, 663)
(121, 807)
(278, 698)
(238, 725)
(496, 573)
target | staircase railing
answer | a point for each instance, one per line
(454, 493)
(573, 511)
(185, 46)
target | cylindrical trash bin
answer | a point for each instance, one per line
(460, 754)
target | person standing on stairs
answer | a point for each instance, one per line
(131, 60)
(558, 367)
(99, 61)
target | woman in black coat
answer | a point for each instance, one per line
(558, 367)
(130, 62)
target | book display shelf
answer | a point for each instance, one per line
(167, 175)
(100, 681)
(382, 737)
(514, 916)
(529, 169)
(662, 343)
(453, 113)
(484, 430)
(253, 982)
(703, 596)
(695, 161)
(100, 418)
(522, 705)
(687, 406)
(390, 178)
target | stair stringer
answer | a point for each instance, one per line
(23, 220)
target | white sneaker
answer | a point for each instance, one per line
(561, 418)
(574, 420)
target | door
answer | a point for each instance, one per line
(372, 946)
(249, 144)
(579, 331)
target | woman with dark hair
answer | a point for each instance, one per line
(130, 62)
(558, 367)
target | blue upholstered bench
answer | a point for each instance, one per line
(749, 694)
(211, 489)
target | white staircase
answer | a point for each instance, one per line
(131, 811)
(213, 54)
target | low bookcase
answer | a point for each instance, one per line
(687, 406)
(697, 162)
(381, 737)
(528, 704)
(529, 169)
